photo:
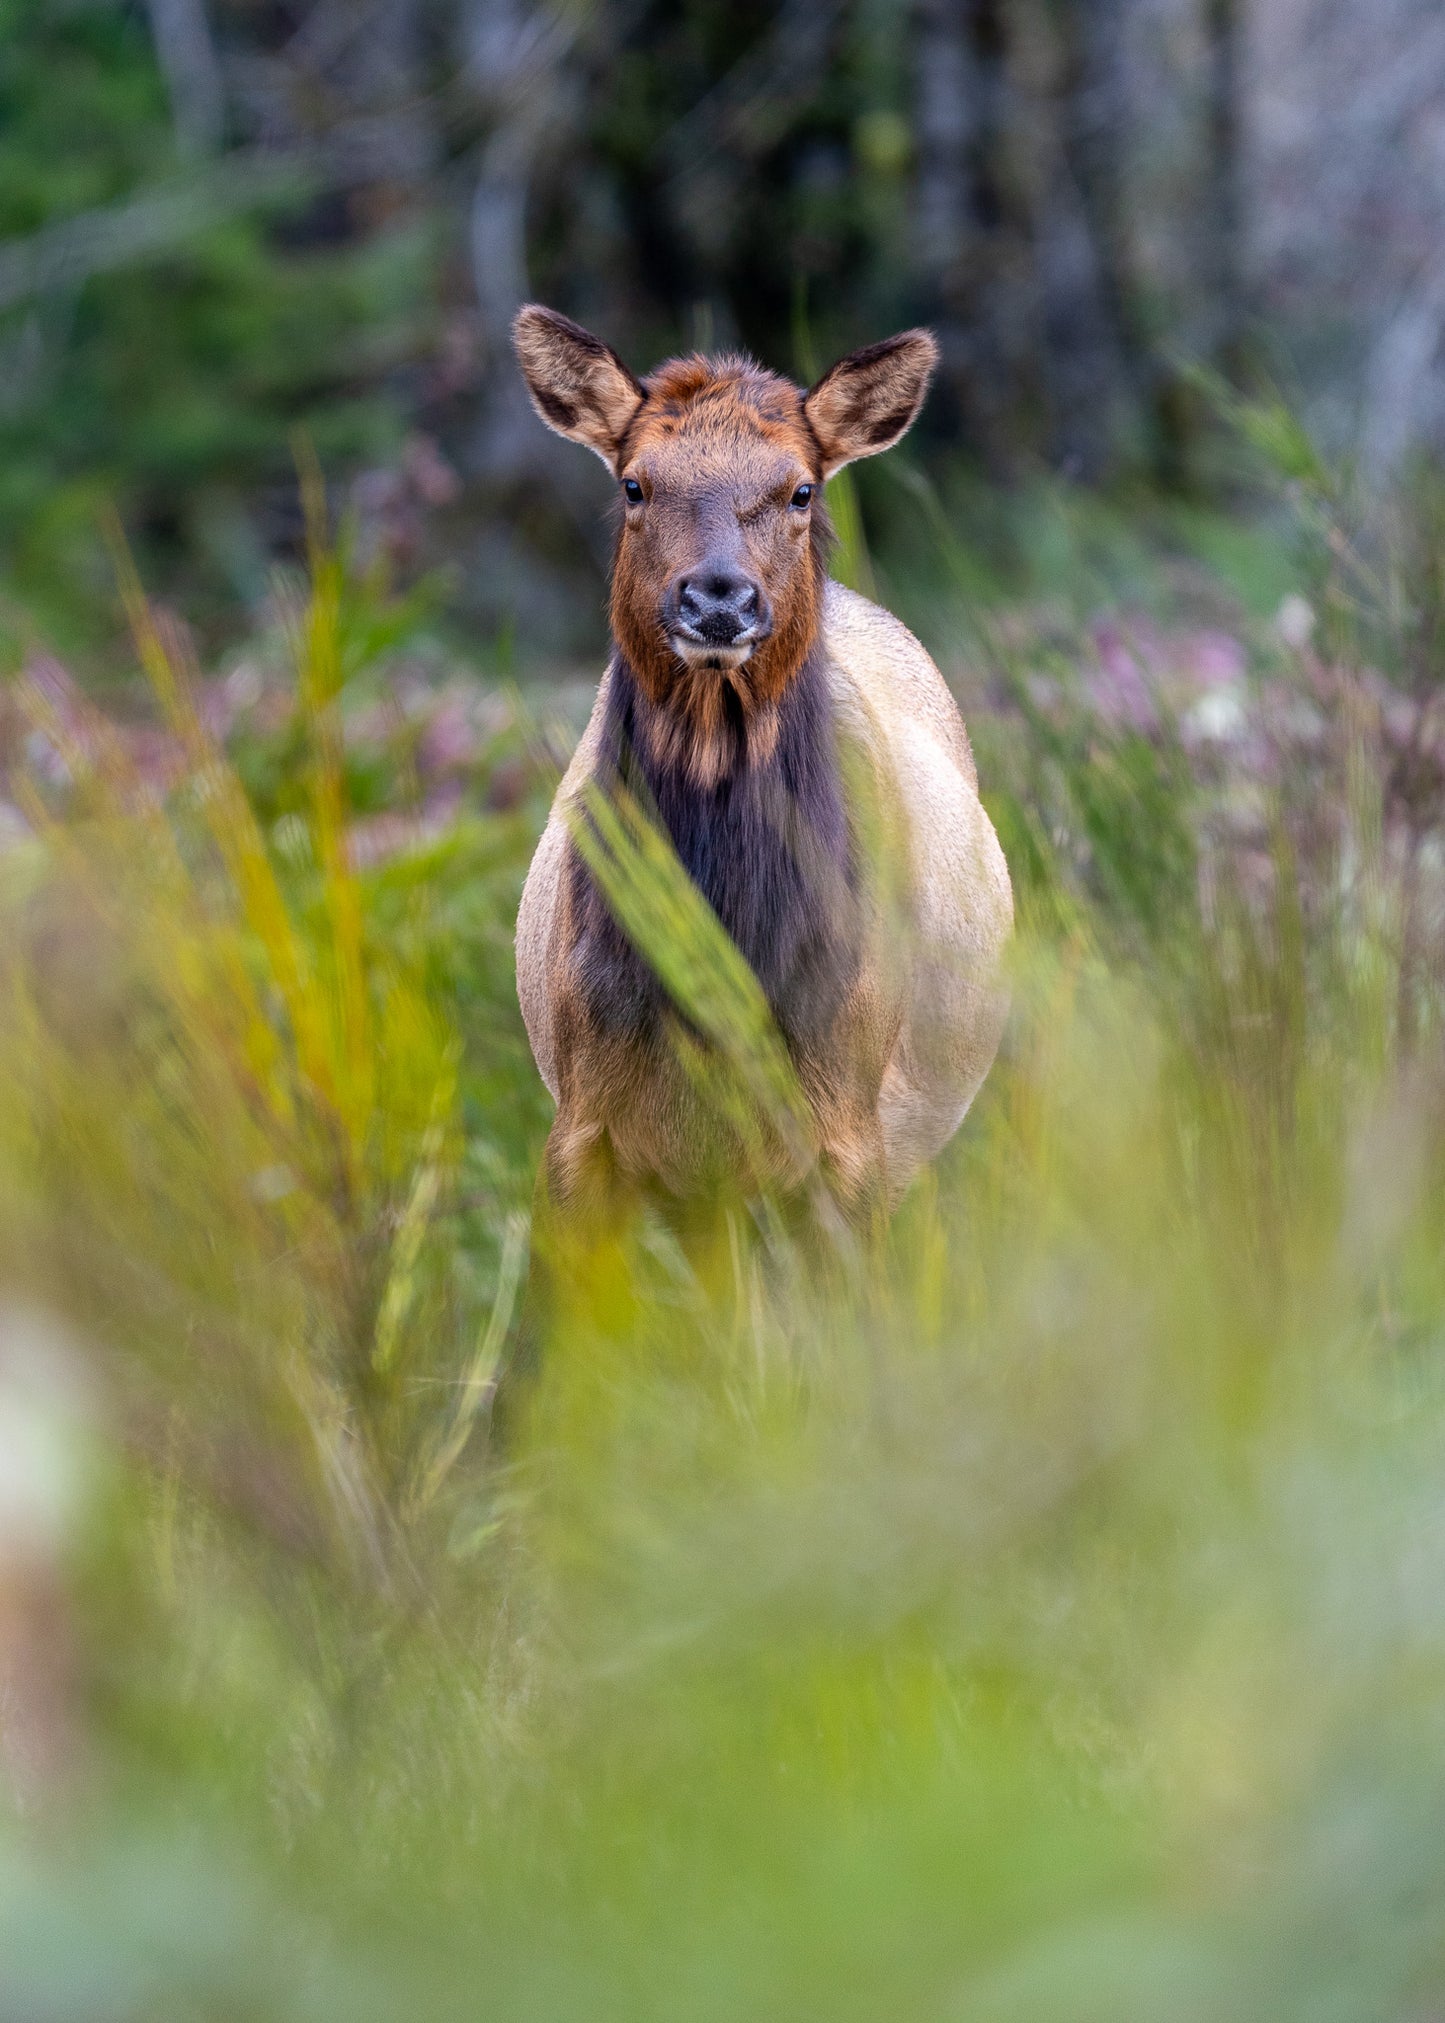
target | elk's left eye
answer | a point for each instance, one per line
(632, 491)
(803, 496)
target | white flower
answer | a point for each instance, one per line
(1295, 622)
(1217, 717)
(43, 1458)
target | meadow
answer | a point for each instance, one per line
(1042, 1618)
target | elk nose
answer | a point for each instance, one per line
(717, 604)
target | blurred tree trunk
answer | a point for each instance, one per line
(186, 53)
(514, 55)
(725, 147)
(1093, 125)
(1077, 362)
(1224, 206)
(1081, 352)
(516, 58)
(1095, 121)
(963, 210)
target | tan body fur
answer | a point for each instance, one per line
(810, 765)
(930, 1006)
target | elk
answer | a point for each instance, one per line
(806, 759)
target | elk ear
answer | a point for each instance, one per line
(578, 384)
(869, 400)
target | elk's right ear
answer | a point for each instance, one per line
(578, 384)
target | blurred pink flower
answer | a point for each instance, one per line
(1118, 687)
(449, 743)
(1212, 659)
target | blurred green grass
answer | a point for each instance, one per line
(1045, 1621)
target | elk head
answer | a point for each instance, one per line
(721, 553)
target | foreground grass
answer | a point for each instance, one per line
(1045, 1623)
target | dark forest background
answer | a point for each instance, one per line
(224, 220)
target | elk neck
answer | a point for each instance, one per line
(766, 840)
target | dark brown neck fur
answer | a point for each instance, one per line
(767, 844)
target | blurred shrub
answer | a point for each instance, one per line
(1042, 1621)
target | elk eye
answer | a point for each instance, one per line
(632, 491)
(803, 496)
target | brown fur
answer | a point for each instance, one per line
(719, 448)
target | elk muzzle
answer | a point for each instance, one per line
(716, 613)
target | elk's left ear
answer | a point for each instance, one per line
(869, 400)
(578, 384)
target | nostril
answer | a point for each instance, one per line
(733, 593)
(717, 603)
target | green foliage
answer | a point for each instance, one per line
(1041, 1621)
(82, 109)
(663, 914)
(1034, 1617)
(168, 388)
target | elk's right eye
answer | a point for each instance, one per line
(632, 491)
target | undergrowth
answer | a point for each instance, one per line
(1044, 1622)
